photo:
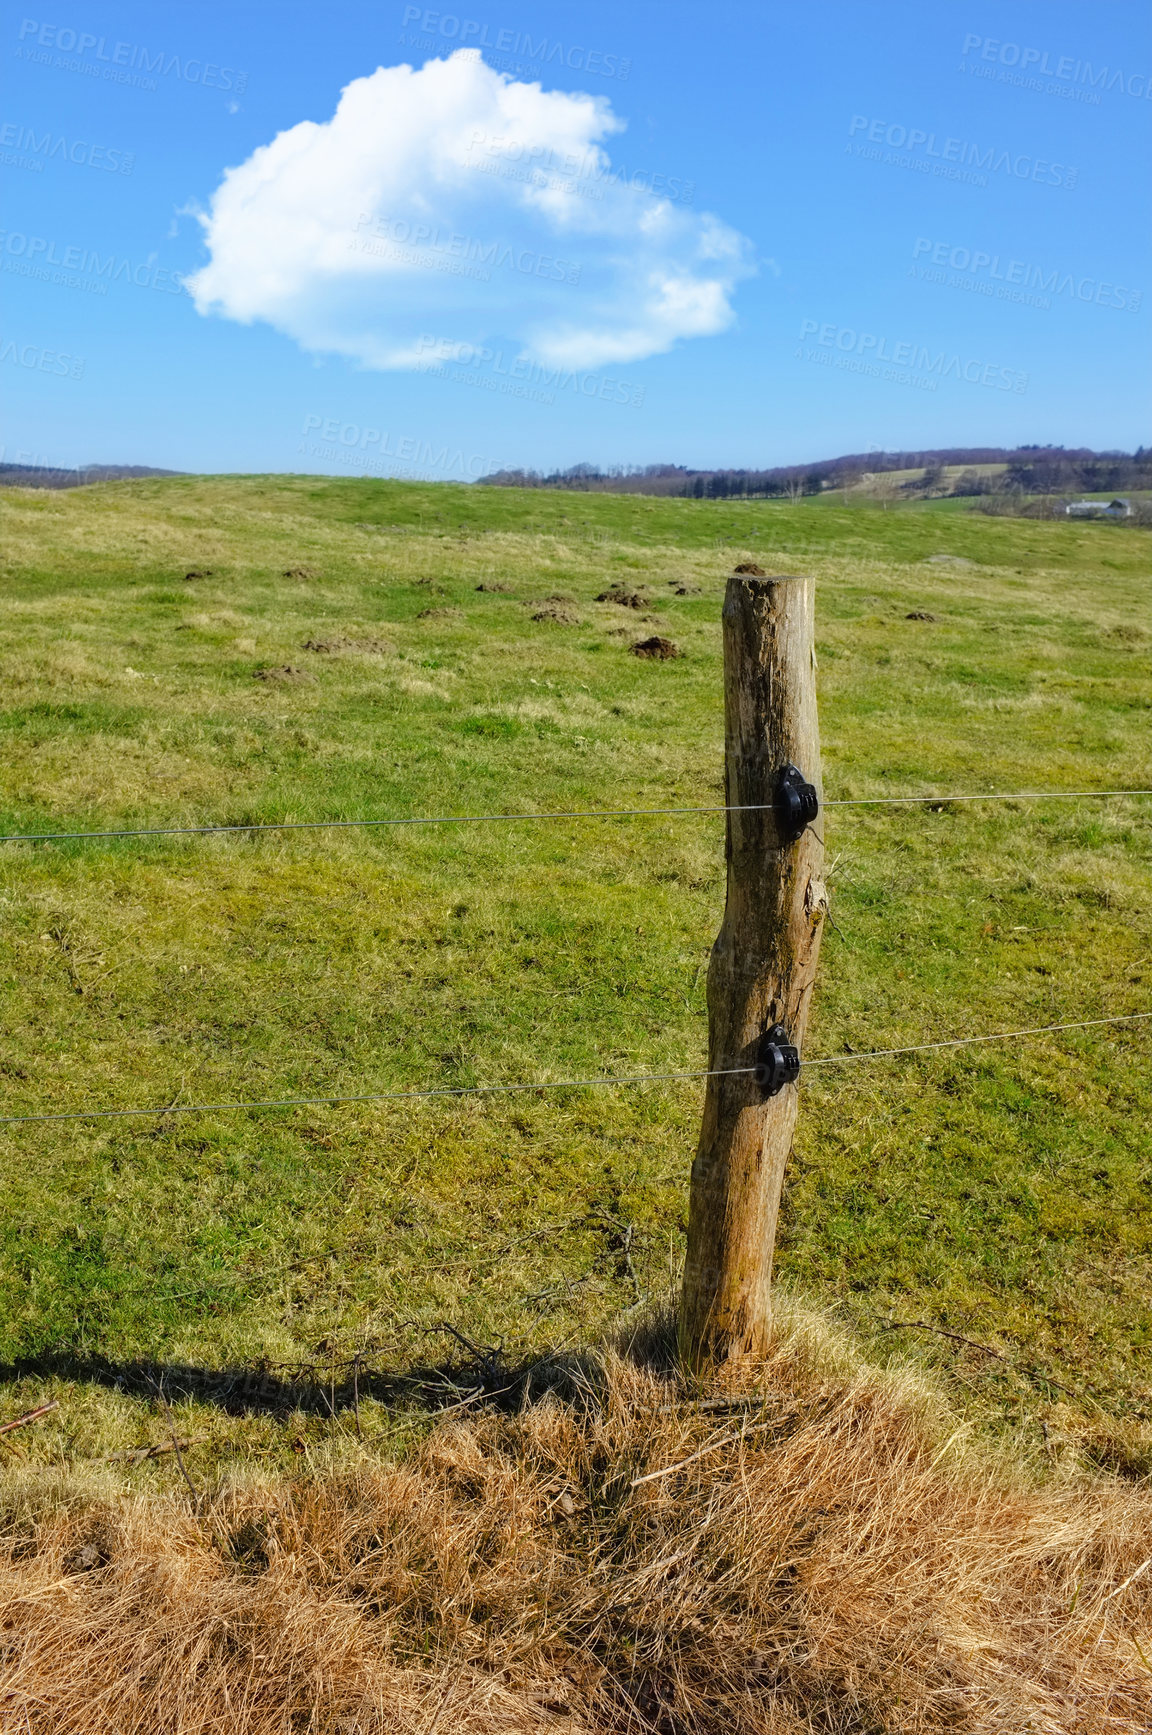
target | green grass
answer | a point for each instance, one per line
(1003, 1193)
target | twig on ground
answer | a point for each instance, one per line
(922, 1325)
(626, 1249)
(480, 1392)
(480, 1354)
(139, 1454)
(1046, 1379)
(713, 1446)
(31, 1416)
(1030, 1373)
(626, 1232)
(487, 1359)
(176, 1447)
(1131, 1579)
(566, 1289)
(835, 924)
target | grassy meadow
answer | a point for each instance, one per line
(223, 650)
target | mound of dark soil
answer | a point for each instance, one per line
(355, 647)
(623, 598)
(656, 649)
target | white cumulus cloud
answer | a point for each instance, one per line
(454, 201)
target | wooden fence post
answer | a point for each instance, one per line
(762, 969)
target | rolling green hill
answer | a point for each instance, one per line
(200, 650)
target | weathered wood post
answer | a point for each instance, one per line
(762, 969)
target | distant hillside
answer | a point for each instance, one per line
(961, 470)
(42, 476)
(1000, 473)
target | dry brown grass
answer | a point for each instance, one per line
(823, 1554)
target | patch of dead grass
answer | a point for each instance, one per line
(814, 1550)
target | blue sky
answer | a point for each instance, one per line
(777, 233)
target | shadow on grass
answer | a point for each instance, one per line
(470, 1376)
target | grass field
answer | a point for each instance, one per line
(1003, 1193)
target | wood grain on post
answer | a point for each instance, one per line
(762, 969)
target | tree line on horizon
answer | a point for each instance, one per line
(1029, 470)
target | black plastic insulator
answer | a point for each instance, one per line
(795, 803)
(777, 1061)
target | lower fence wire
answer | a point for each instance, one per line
(571, 813)
(459, 1090)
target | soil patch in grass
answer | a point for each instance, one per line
(623, 598)
(339, 645)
